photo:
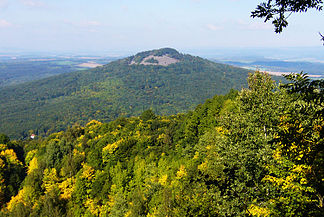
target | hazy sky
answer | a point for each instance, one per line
(108, 25)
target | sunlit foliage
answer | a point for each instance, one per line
(256, 152)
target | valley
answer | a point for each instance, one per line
(119, 88)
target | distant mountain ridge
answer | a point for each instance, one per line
(164, 80)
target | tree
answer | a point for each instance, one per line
(233, 155)
(11, 174)
(148, 115)
(4, 139)
(296, 170)
(278, 11)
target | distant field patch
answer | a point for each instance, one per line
(64, 62)
(89, 65)
(287, 73)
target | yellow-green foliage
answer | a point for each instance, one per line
(24, 196)
(10, 156)
(50, 180)
(254, 153)
(33, 165)
(11, 173)
(110, 148)
(67, 188)
(258, 211)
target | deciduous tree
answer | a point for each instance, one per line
(278, 11)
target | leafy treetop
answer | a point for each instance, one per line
(278, 11)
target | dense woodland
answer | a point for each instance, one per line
(256, 152)
(113, 90)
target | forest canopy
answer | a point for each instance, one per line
(254, 152)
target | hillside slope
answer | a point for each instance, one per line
(254, 152)
(164, 80)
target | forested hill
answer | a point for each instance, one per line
(164, 80)
(256, 152)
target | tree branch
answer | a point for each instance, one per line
(278, 11)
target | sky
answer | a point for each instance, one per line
(112, 26)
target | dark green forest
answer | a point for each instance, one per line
(113, 90)
(254, 152)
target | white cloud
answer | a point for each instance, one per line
(33, 3)
(213, 27)
(4, 23)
